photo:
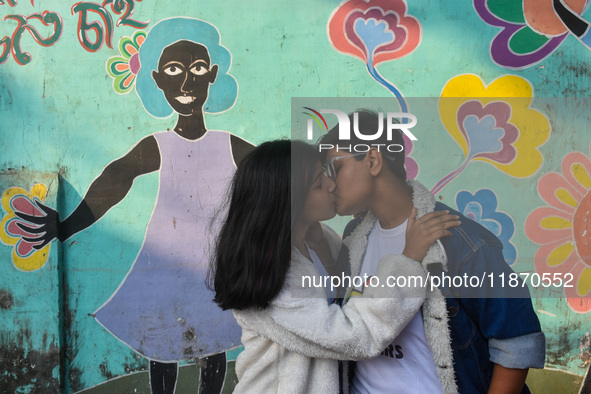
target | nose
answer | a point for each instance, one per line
(189, 83)
(330, 185)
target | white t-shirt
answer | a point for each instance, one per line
(406, 365)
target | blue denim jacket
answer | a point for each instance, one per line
(496, 329)
(500, 328)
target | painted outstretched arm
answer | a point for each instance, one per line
(106, 191)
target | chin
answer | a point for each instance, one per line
(348, 211)
(342, 212)
(187, 112)
(330, 215)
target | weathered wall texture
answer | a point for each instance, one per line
(80, 103)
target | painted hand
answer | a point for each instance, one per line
(44, 227)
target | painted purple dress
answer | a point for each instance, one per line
(162, 309)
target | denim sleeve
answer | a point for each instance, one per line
(510, 324)
(525, 351)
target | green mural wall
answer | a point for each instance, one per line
(72, 104)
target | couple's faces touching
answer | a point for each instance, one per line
(354, 180)
(184, 75)
(351, 190)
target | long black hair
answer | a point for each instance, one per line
(254, 246)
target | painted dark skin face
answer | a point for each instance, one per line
(184, 75)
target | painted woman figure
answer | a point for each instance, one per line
(162, 309)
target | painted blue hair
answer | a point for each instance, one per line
(222, 93)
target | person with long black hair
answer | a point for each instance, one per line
(270, 243)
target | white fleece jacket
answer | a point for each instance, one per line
(293, 345)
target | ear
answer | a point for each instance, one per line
(157, 78)
(375, 161)
(213, 73)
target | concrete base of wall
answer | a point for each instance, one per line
(546, 381)
(542, 381)
(138, 383)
